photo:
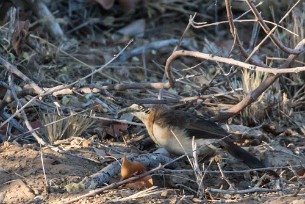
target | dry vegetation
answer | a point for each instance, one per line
(68, 67)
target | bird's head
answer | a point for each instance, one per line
(137, 110)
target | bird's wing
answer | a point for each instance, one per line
(203, 128)
(193, 124)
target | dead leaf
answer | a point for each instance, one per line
(164, 193)
(117, 127)
(130, 168)
(143, 183)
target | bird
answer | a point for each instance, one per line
(174, 130)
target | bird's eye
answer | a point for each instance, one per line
(142, 108)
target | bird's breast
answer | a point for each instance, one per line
(177, 141)
(174, 139)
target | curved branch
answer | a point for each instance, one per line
(281, 70)
(252, 96)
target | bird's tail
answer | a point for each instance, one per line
(250, 160)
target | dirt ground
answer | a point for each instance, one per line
(22, 178)
(22, 181)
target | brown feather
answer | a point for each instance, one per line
(174, 130)
(195, 125)
(200, 128)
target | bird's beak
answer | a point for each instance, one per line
(125, 110)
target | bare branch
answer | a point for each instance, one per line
(252, 96)
(227, 61)
(236, 37)
(267, 30)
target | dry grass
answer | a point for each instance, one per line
(59, 127)
(257, 111)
